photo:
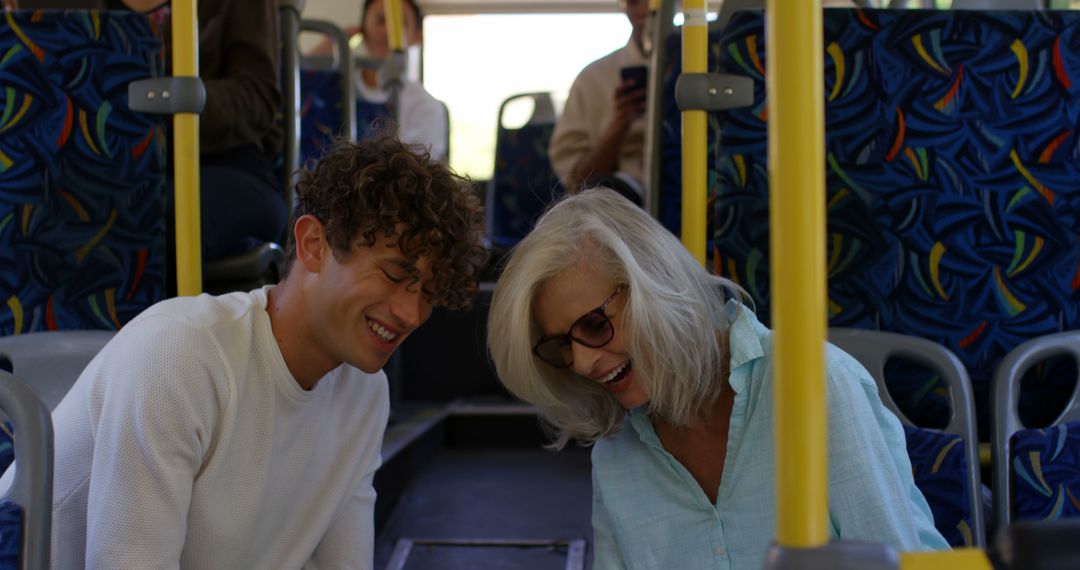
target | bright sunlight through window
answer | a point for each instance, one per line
(474, 63)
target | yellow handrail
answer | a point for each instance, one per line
(395, 25)
(185, 48)
(695, 38)
(796, 106)
(959, 559)
(797, 249)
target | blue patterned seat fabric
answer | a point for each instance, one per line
(951, 184)
(10, 513)
(523, 182)
(941, 473)
(368, 114)
(7, 445)
(82, 177)
(1045, 467)
(10, 535)
(320, 112)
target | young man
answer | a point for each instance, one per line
(243, 431)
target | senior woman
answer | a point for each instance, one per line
(605, 322)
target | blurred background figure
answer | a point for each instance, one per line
(600, 138)
(421, 118)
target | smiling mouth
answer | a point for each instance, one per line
(381, 332)
(617, 374)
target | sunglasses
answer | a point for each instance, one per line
(593, 329)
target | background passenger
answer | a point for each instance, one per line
(243, 431)
(608, 325)
(240, 135)
(421, 118)
(600, 136)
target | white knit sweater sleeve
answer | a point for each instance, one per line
(350, 540)
(154, 402)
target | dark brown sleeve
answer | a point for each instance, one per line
(240, 46)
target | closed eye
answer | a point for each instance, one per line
(393, 278)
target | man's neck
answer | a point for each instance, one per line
(299, 347)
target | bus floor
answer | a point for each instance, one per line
(499, 508)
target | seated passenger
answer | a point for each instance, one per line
(600, 136)
(421, 118)
(240, 138)
(608, 325)
(243, 431)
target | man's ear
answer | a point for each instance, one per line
(312, 249)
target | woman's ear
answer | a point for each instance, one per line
(309, 234)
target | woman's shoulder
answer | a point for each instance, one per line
(622, 447)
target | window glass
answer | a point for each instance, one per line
(474, 62)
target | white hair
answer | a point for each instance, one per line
(674, 317)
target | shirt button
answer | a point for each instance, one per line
(718, 550)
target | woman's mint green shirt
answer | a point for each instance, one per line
(650, 514)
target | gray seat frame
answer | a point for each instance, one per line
(874, 348)
(1006, 398)
(52, 361)
(32, 487)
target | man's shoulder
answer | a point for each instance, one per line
(204, 324)
(203, 311)
(606, 65)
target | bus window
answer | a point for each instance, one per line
(474, 62)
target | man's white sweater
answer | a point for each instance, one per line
(188, 444)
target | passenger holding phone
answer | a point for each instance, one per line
(600, 137)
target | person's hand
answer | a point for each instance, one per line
(629, 104)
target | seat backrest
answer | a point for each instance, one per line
(945, 462)
(322, 91)
(51, 362)
(26, 507)
(1035, 469)
(82, 177)
(523, 183)
(951, 190)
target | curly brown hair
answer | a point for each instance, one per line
(360, 189)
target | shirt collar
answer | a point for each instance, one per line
(744, 342)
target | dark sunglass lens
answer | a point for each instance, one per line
(555, 351)
(594, 329)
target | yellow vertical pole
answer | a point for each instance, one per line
(695, 39)
(395, 25)
(185, 47)
(796, 107)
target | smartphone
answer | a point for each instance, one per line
(636, 74)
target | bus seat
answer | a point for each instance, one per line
(82, 177)
(26, 506)
(262, 265)
(523, 183)
(51, 362)
(322, 89)
(945, 462)
(1036, 469)
(949, 179)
